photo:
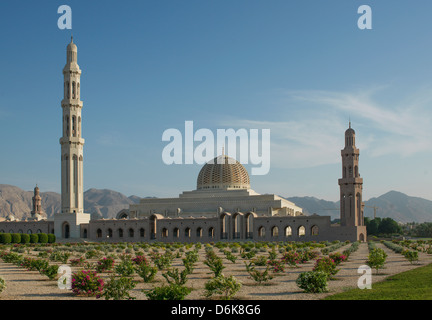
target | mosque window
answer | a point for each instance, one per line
(275, 232)
(74, 126)
(176, 233)
(301, 231)
(261, 232)
(67, 125)
(187, 232)
(164, 233)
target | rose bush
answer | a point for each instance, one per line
(87, 283)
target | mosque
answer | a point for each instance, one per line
(222, 207)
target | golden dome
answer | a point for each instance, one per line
(223, 172)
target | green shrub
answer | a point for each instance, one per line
(227, 287)
(87, 283)
(337, 257)
(2, 284)
(411, 256)
(162, 261)
(25, 238)
(214, 262)
(34, 238)
(394, 246)
(105, 264)
(377, 259)
(118, 288)
(59, 256)
(146, 272)
(43, 238)
(326, 265)
(257, 275)
(170, 292)
(174, 276)
(259, 261)
(312, 281)
(51, 271)
(5, 238)
(125, 268)
(231, 257)
(51, 238)
(16, 238)
(12, 257)
(38, 264)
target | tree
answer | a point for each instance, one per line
(423, 230)
(388, 226)
(377, 259)
(372, 225)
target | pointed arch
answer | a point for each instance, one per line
(275, 232)
(301, 231)
(288, 231)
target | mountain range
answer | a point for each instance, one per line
(107, 203)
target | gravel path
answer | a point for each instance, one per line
(30, 285)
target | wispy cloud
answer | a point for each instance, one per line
(316, 121)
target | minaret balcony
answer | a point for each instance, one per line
(71, 103)
(353, 180)
(71, 140)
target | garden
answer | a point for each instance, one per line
(211, 271)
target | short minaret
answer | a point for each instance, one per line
(72, 143)
(351, 185)
(37, 212)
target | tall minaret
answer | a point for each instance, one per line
(72, 200)
(351, 185)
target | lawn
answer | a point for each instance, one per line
(415, 284)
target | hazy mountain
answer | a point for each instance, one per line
(400, 207)
(311, 205)
(103, 203)
(107, 203)
(18, 202)
(393, 204)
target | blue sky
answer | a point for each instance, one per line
(299, 68)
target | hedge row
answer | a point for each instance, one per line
(6, 238)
